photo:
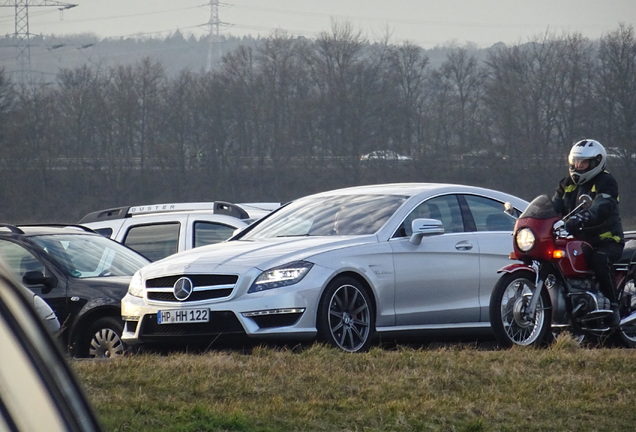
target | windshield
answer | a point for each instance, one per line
(328, 216)
(86, 256)
(540, 208)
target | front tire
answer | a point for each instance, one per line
(102, 339)
(508, 302)
(346, 317)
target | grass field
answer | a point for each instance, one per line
(457, 387)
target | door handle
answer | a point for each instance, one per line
(464, 245)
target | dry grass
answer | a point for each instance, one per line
(456, 388)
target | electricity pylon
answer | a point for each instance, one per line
(22, 35)
(215, 33)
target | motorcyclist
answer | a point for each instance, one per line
(600, 224)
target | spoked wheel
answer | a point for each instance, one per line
(627, 333)
(346, 317)
(103, 339)
(508, 304)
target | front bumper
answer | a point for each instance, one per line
(280, 313)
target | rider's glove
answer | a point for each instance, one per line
(585, 215)
(575, 223)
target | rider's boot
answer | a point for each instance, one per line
(615, 320)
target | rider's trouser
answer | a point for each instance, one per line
(605, 254)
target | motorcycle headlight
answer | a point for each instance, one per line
(525, 239)
(281, 276)
(136, 286)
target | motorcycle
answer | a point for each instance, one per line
(552, 288)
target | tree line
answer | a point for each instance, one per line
(292, 116)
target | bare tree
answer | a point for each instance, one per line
(408, 68)
(616, 90)
(150, 82)
(520, 95)
(34, 149)
(290, 116)
(78, 100)
(574, 93)
(177, 149)
(334, 65)
(7, 98)
(465, 77)
(454, 104)
(242, 147)
(281, 89)
(354, 97)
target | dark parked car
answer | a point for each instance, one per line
(81, 275)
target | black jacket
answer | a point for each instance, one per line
(604, 223)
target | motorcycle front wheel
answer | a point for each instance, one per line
(508, 304)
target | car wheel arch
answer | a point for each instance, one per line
(81, 326)
(362, 280)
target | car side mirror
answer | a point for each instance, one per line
(36, 277)
(425, 228)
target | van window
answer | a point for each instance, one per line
(154, 241)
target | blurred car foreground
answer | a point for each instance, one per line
(38, 390)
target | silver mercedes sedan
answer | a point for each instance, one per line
(342, 267)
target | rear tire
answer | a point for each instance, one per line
(626, 335)
(508, 302)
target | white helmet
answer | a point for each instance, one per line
(592, 151)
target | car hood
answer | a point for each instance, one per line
(236, 256)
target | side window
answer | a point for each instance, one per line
(444, 208)
(489, 214)
(106, 232)
(153, 241)
(206, 233)
(19, 259)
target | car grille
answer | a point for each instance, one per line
(206, 287)
(221, 322)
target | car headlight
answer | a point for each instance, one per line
(136, 286)
(281, 276)
(525, 239)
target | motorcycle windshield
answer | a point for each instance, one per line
(541, 207)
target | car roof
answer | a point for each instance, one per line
(411, 189)
(40, 229)
(167, 217)
(214, 207)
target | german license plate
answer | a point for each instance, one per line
(180, 316)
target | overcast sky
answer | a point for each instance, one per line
(427, 23)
